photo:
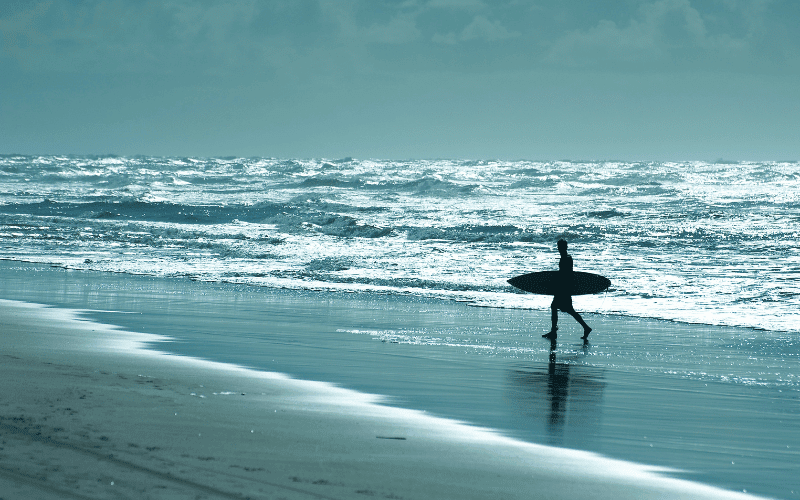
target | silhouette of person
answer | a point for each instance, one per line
(563, 300)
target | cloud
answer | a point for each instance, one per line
(63, 36)
(662, 31)
(167, 36)
(480, 28)
(483, 29)
(243, 38)
(455, 4)
(401, 29)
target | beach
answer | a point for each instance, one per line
(95, 408)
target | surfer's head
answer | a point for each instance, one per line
(562, 245)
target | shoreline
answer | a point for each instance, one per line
(603, 405)
(331, 288)
(93, 417)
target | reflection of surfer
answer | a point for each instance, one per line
(563, 301)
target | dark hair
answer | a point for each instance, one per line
(562, 243)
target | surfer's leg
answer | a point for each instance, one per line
(586, 328)
(566, 306)
(554, 319)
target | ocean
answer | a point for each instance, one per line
(695, 242)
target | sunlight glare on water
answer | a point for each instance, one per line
(695, 241)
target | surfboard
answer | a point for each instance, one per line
(554, 283)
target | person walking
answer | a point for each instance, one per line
(563, 300)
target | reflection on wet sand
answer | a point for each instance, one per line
(561, 401)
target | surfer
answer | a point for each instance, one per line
(564, 301)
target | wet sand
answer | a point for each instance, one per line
(88, 405)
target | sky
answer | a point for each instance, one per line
(631, 80)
